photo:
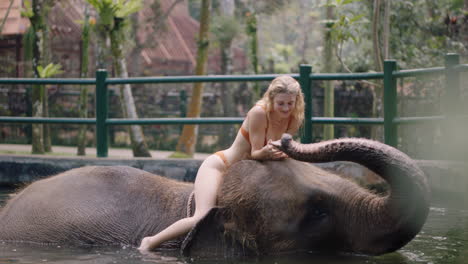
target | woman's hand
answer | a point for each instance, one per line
(273, 153)
(145, 245)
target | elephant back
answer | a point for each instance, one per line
(91, 205)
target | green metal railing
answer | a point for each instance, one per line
(390, 121)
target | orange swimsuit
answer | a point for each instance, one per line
(246, 135)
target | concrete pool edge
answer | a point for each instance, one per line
(443, 176)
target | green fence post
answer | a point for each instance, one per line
(183, 103)
(390, 103)
(304, 80)
(101, 113)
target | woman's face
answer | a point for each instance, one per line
(283, 104)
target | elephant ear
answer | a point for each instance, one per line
(209, 238)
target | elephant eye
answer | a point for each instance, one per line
(314, 218)
(316, 209)
(317, 212)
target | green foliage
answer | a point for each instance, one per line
(112, 12)
(250, 23)
(28, 40)
(43, 10)
(90, 22)
(281, 54)
(349, 22)
(418, 35)
(27, 10)
(251, 31)
(49, 71)
(419, 38)
(225, 29)
(128, 7)
(346, 28)
(180, 155)
(106, 10)
(339, 3)
(113, 20)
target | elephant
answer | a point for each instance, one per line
(263, 207)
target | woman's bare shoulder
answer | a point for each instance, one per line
(257, 113)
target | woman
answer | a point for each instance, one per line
(281, 110)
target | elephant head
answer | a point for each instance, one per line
(272, 207)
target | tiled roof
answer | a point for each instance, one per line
(64, 21)
(15, 24)
(178, 42)
(176, 45)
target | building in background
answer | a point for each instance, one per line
(168, 52)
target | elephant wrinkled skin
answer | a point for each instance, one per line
(263, 207)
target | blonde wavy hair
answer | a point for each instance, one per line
(288, 85)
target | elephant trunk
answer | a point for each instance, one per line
(384, 223)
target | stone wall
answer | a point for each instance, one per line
(23, 169)
(444, 176)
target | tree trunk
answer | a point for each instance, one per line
(375, 36)
(46, 59)
(37, 24)
(386, 30)
(377, 92)
(251, 29)
(227, 137)
(47, 141)
(83, 101)
(37, 129)
(139, 147)
(100, 51)
(188, 139)
(304, 22)
(135, 53)
(329, 89)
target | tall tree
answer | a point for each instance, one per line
(37, 11)
(83, 102)
(46, 60)
(250, 10)
(329, 66)
(113, 19)
(376, 37)
(188, 138)
(386, 30)
(225, 28)
(377, 91)
(251, 30)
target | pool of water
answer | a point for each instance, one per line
(444, 239)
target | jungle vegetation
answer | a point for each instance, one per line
(274, 35)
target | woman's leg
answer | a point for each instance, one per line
(206, 187)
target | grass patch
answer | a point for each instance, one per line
(17, 152)
(179, 155)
